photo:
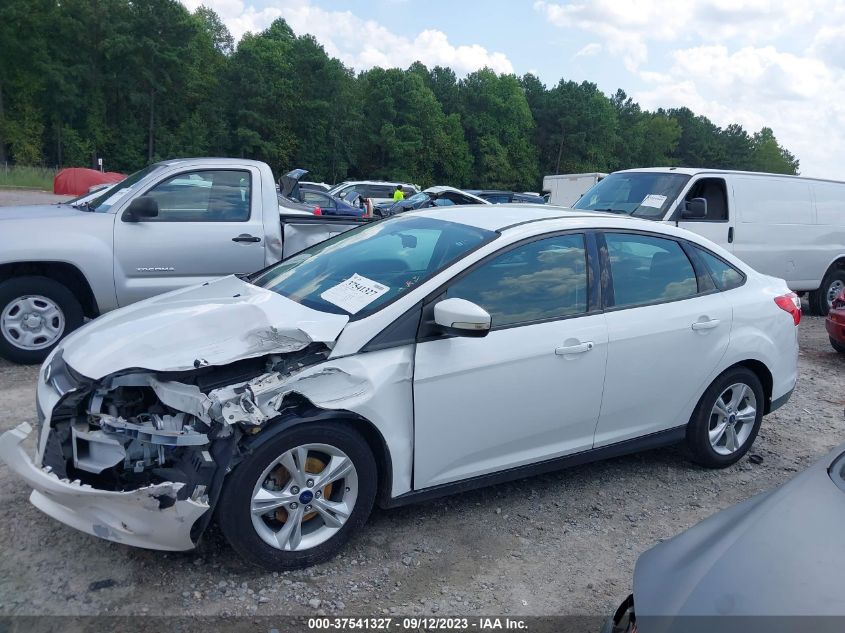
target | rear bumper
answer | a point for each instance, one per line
(151, 517)
(835, 325)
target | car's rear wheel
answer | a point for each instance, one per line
(832, 286)
(727, 419)
(35, 314)
(299, 497)
(839, 347)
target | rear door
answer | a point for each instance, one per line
(209, 225)
(718, 225)
(668, 329)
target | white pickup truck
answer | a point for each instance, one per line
(170, 225)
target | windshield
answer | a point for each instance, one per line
(641, 194)
(104, 201)
(362, 270)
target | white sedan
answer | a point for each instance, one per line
(428, 353)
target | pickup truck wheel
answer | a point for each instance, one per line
(727, 418)
(35, 314)
(298, 498)
(832, 284)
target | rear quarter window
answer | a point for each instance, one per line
(724, 275)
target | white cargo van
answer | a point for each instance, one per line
(786, 226)
(565, 189)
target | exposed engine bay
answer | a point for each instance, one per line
(137, 428)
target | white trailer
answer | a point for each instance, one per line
(565, 189)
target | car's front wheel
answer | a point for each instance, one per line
(299, 497)
(726, 419)
(839, 347)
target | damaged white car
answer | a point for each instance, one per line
(424, 354)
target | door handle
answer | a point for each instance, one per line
(566, 350)
(245, 237)
(730, 235)
(705, 325)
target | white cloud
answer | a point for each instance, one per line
(798, 96)
(359, 43)
(589, 50)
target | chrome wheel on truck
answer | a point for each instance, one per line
(35, 314)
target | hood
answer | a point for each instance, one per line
(777, 554)
(215, 323)
(290, 180)
(33, 211)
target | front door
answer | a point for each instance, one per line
(718, 224)
(209, 225)
(531, 389)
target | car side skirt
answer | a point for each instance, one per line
(635, 445)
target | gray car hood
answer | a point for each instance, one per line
(781, 553)
(214, 323)
(30, 211)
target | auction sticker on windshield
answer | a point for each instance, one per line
(653, 200)
(354, 294)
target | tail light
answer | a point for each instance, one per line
(792, 304)
(318, 211)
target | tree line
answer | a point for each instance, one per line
(136, 82)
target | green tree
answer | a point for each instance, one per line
(499, 128)
(767, 155)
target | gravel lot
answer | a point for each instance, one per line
(563, 543)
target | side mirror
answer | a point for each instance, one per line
(461, 317)
(694, 209)
(140, 208)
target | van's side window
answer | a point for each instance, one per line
(715, 192)
(724, 275)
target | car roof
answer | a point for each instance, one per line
(694, 171)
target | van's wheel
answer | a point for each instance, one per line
(35, 314)
(299, 497)
(832, 285)
(727, 419)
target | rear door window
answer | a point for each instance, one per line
(646, 270)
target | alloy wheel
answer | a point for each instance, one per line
(304, 497)
(732, 418)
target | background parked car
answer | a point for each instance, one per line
(378, 191)
(319, 202)
(751, 567)
(835, 323)
(437, 196)
(314, 186)
(500, 197)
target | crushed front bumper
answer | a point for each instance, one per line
(150, 517)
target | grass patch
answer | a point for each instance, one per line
(27, 177)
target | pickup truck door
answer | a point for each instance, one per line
(209, 225)
(719, 222)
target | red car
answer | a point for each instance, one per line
(835, 323)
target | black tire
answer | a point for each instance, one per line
(18, 287)
(698, 440)
(233, 508)
(818, 299)
(839, 347)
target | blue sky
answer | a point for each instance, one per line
(778, 63)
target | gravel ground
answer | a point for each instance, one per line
(561, 544)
